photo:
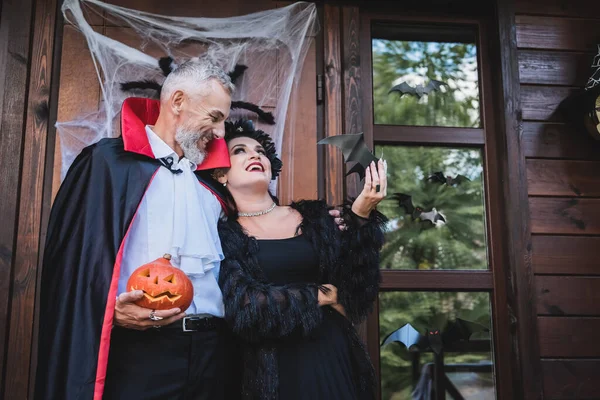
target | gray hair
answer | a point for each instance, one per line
(191, 75)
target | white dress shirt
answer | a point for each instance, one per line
(178, 216)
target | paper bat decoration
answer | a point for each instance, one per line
(405, 202)
(434, 339)
(353, 149)
(418, 90)
(439, 177)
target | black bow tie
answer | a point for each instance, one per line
(168, 162)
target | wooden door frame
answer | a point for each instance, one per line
(33, 120)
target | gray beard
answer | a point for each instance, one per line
(188, 141)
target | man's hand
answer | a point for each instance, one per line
(131, 316)
(327, 295)
(337, 217)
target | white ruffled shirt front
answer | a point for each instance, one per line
(178, 216)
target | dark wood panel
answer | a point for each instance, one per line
(567, 295)
(571, 379)
(565, 216)
(585, 9)
(558, 141)
(524, 349)
(31, 203)
(554, 68)
(428, 134)
(436, 280)
(565, 255)
(541, 103)
(197, 8)
(15, 37)
(563, 178)
(569, 336)
(334, 124)
(557, 33)
(353, 118)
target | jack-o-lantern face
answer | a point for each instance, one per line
(164, 286)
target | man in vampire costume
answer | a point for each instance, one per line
(125, 202)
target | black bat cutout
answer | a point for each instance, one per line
(434, 339)
(405, 202)
(353, 149)
(439, 177)
(418, 90)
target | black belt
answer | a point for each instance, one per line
(195, 324)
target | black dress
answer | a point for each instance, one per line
(290, 347)
(318, 366)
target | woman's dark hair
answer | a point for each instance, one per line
(245, 128)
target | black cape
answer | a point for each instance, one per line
(89, 222)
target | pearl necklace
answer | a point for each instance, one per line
(257, 213)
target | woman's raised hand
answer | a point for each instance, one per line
(373, 192)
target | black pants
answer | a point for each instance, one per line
(168, 364)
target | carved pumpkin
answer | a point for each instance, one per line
(164, 286)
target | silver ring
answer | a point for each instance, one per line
(154, 317)
(156, 326)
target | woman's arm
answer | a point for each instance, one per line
(256, 310)
(359, 278)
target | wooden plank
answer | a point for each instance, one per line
(299, 151)
(351, 68)
(565, 255)
(333, 166)
(554, 68)
(472, 280)
(196, 8)
(554, 33)
(525, 360)
(565, 216)
(541, 103)
(569, 336)
(567, 295)
(564, 8)
(76, 71)
(30, 207)
(558, 141)
(571, 379)
(428, 134)
(563, 178)
(15, 39)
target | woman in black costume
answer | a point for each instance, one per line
(293, 283)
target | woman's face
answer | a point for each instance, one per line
(249, 164)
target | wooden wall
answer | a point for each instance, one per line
(556, 41)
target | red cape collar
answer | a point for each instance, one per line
(136, 113)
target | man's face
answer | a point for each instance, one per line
(202, 119)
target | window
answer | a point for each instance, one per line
(439, 259)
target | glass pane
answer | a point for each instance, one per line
(412, 241)
(458, 324)
(416, 59)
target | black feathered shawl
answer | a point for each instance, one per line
(261, 312)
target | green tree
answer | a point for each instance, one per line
(453, 63)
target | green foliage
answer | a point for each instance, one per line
(453, 63)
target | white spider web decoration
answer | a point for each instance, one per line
(272, 44)
(595, 78)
